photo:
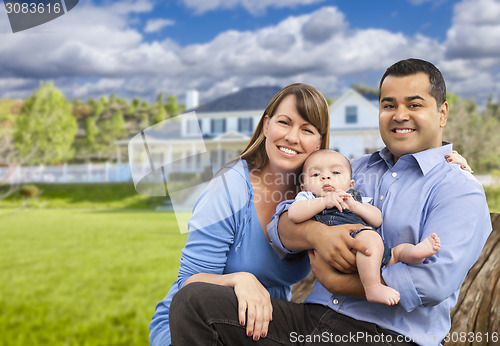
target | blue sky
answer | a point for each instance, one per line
(191, 26)
(143, 47)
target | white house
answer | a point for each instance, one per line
(219, 130)
(354, 124)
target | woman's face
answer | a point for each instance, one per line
(289, 138)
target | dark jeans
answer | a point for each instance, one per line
(206, 314)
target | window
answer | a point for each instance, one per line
(245, 125)
(218, 126)
(351, 115)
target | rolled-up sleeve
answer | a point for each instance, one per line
(460, 217)
(272, 228)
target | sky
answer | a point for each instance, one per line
(139, 48)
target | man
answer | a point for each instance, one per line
(419, 194)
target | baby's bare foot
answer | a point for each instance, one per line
(427, 247)
(382, 294)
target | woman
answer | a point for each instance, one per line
(227, 242)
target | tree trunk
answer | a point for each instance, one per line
(476, 316)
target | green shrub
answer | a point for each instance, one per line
(29, 191)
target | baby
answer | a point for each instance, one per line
(327, 194)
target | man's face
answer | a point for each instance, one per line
(409, 118)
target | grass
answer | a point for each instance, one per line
(493, 198)
(93, 196)
(123, 196)
(85, 264)
(84, 277)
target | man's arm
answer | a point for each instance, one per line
(332, 243)
(461, 218)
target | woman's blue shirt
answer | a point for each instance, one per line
(225, 236)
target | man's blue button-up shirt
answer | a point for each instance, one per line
(418, 195)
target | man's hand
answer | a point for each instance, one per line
(334, 281)
(335, 245)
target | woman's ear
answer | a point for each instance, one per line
(266, 124)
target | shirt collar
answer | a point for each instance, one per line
(426, 159)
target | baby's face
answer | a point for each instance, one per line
(325, 172)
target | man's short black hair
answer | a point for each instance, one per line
(413, 66)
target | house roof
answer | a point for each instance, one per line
(367, 99)
(251, 98)
(371, 97)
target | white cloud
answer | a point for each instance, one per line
(101, 87)
(255, 7)
(475, 32)
(471, 61)
(319, 48)
(323, 24)
(435, 3)
(130, 6)
(418, 2)
(154, 25)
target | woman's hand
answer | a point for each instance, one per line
(455, 157)
(254, 304)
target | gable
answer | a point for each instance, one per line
(353, 111)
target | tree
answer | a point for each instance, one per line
(475, 136)
(8, 156)
(492, 108)
(109, 130)
(46, 127)
(172, 106)
(118, 125)
(90, 131)
(364, 89)
(159, 112)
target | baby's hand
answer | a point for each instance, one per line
(335, 199)
(347, 198)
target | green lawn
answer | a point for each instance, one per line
(73, 271)
(493, 198)
(84, 277)
(93, 196)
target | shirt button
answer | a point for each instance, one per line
(394, 174)
(335, 301)
(382, 197)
